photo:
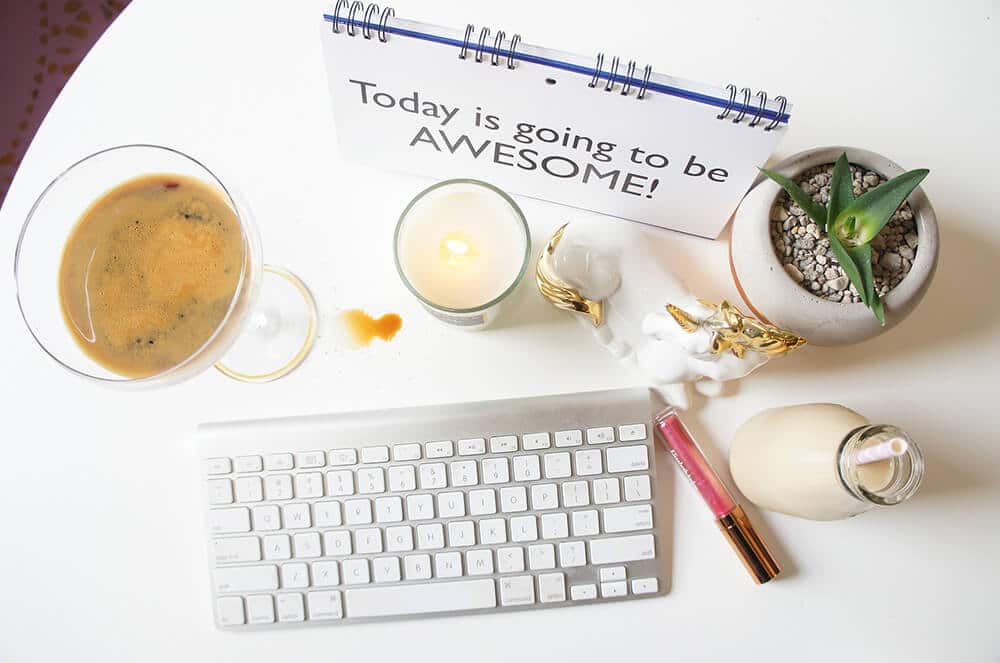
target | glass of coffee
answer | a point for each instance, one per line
(139, 266)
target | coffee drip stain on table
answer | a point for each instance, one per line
(357, 329)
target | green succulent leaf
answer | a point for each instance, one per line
(841, 190)
(862, 257)
(878, 308)
(815, 211)
(862, 219)
(847, 263)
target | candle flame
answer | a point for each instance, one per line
(457, 250)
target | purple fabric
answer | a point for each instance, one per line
(41, 44)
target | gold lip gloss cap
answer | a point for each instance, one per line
(754, 554)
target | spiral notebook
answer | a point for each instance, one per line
(600, 133)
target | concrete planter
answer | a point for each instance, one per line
(774, 296)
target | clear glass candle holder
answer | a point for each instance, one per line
(461, 247)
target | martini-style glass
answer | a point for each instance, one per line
(270, 324)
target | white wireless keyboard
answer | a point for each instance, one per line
(474, 507)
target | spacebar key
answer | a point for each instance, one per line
(415, 599)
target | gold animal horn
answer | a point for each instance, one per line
(732, 330)
(559, 293)
(683, 318)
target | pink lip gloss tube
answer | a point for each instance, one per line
(729, 516)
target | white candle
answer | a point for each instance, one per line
(461, 247)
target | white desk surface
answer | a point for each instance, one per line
(101, 546)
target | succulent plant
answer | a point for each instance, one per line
(852, 223)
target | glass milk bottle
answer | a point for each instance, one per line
(823, 462)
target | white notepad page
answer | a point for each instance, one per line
(540, 129)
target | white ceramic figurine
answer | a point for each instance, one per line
(644, 315)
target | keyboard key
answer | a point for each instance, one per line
(628, 518)
(588, 462)
(388, 510)
(399, 539)
(443, 449)
(622, 549)
(432, 476)
(632, 432)
(374, 454)
(523, 528)
(448, 565)
(266, 518)
(290, 608)
(479, 562)
(309, 459)
(637, 488)
(461, 533)
(218, 466)
(245, 578)
(575, 493)
(535, 441)
(306, 545)
(220, 491)
(451, 505)
(503, 444)
(277, 546)
(472, 447)
(492, 531)
(645, 586)
(402, 478)
(278, 487)
(613, 589)
(357, 512)
(557, 465)
(555, 526)
(230, 611)
(340, 457)
(583, 592)
(417, 567)
(324, 605)
(355, 571)
(569, 438)
(368, 540)
(337, 544)
(419, 507)
(628, 459)
(244, 464)
(371, 480)
(325, 574)
(430, 536)
(517, 590)
(541, 556)
(513, 499)
(296, 516)
(544, 496)
(327, 514)
(308, 485)
(402, 452)
(234, 550)
(278, 462)
(482, 502)
(386, 569)
(464, 473)
(600, 435)
(606, 491)
(526, 468)
(294, 576)
(495, 470)
(585, 523)
(249, 489)
(420, 599)
(226, 521)
(551, 587)
(610, 573)
(260, 609)
(510, 560)
(571, 554)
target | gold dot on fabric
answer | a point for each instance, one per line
(22, 125)
(71, 6)
(43, 39)
(43, 6)
(69, 68)
(7, 159)
(83, 17)
(41, 59)
(63, 50)
(37, 78)
(14, 143)
(77, 31)
(30, 108)
(44, 22)
(56, 30)
(34, 94)
(52, 67)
